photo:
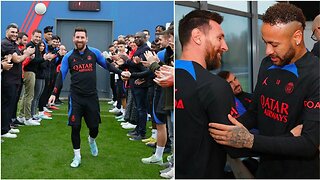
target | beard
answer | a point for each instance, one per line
(237, 90)
(80, 46)
(287, 57)
(36, 41)
(139, 42)
(12, 38)
(212, 58)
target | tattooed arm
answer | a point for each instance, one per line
(238, 136)
(235, 136)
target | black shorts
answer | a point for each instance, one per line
(84, 106)
(121, 91)
(159, 115)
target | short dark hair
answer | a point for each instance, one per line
(55, 37)
(12, 25)
(161, 27)
(224, 74)
(21, 34)
(129, 35)
(169, 31)
(36, 31)
(110, 46)
(48, 29)
(121, 42)
(195, 19)
(284, 13)
(80, 29)
(141, 34)
(146, 31)
(58, 37)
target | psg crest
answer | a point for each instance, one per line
(289, 88)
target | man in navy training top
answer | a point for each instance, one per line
(286, 95)
(200, 97)
(83, 99)
(242, 99)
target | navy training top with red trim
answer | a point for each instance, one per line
(243, 101)
(82, 68)
(285, 97)
(200, 98)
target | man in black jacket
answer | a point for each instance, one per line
(11, 78)
(30, 70)
(141, 79)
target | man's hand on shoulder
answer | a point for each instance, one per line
(235, 135)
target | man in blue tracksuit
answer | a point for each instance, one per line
(83, 99)
(242, 99)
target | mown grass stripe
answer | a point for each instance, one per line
(45, 152)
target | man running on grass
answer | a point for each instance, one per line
(83, 98)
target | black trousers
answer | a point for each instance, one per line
(120, 92)
(54, 81)
(75, 135)
(113, 87)
(48, 88)
(8, 96)
(140, 97)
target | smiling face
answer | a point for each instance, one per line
(41, 47)
(163, 40)
(80, 40)
(36, 37)
(22, 39)
(62, 50)
(55, 43)
(279, 43)
(215, 45)
(234, 83)
(133, 45)
(122, 48)
(12, 34)
(140, 38)
(47, 36)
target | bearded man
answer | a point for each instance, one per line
(201, 97)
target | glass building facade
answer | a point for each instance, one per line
(241, 25)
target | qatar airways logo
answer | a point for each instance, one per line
(311, 104)
(274, 109)
(83, 67)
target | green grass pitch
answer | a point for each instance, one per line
(45, 152)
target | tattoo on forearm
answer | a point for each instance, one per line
(241, 137)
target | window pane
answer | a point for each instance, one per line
(236, 5)
(262, 45)
(180, 11)
(237, 34)
(238, 58)
(264, 5)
